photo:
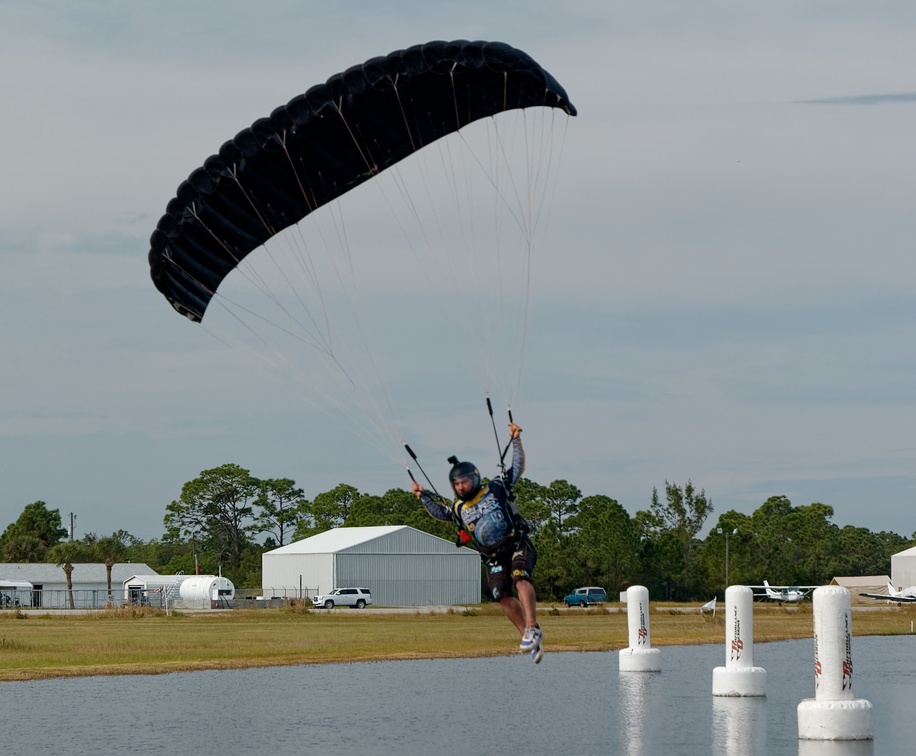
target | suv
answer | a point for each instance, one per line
(586, 596)
(352, 597)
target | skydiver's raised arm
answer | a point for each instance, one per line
(434, 504)
(518, 454)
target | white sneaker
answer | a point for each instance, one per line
(531, 643)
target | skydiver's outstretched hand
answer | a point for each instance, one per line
(514, 430)
(417, 489)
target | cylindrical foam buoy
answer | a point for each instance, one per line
(834, 713)
(640, 656)
(739, 676)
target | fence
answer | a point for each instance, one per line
(100, 599)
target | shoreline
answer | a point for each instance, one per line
(89, 644)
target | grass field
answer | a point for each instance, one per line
(149, 642)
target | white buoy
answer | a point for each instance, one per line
(640, 656)
(739, 676)
(833, 714)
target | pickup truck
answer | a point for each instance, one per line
(586, 596)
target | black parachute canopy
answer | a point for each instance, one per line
(323, 143)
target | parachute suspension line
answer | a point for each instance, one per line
(248, 270)
(443, 263)
(233, 172)
(378, 408)
(190, 275)
(451, 77)
(351, 290)
(397, 94)
(245, 269)
(309, 201)
(302, 335)
(499, 165)
(382, 439)
(371, 166)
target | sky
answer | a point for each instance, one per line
(725, 295)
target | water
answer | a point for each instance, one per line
(576, 703)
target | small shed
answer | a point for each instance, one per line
(400, 565)
(15, 593)
(862, 584)
(903, 568)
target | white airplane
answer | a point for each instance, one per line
(909, 594)
(784, 593)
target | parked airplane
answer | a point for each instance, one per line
(909, 594)
(789, 593)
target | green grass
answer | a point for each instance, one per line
(148, 642)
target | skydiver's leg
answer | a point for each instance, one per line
(514, 612)
(500, 586)
(528, 602)
(523, 561)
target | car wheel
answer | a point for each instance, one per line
(360, 604)
(568, 605)
(329, 604)
(583, 604)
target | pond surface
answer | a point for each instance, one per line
(576, 703)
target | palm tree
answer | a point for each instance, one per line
(64, 555)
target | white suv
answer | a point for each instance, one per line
(352, 597)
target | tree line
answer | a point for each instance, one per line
(226, 519)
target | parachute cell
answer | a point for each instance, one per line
(325, 142)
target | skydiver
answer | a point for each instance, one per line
(489, 523)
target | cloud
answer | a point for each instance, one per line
(867, 99)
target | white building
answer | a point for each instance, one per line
(903, 568)
(402, 566)
(49, 583)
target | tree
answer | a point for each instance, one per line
(395, 507)
(560, 501)
(110, 550)
(65, 555)
(279, 501)
(863, 552)
(669, 531)
(329, 510)
(606, 542)
(217, 507)
(683, 513)
(35, 531)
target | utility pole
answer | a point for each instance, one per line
(727, 534)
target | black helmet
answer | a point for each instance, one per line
(464, 470)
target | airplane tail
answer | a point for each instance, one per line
(891, 591)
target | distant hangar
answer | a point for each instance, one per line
(402, 566)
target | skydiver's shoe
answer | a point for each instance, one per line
(531, 643)
(537, 654)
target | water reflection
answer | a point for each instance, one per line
(632, 704)
(836, 747)
(739, 725)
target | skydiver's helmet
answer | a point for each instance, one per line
(464, 470)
